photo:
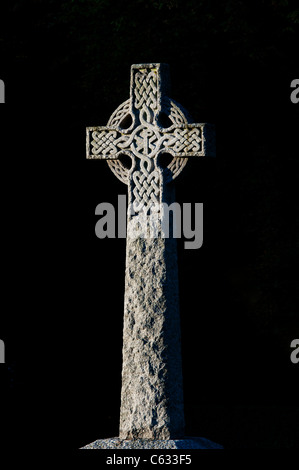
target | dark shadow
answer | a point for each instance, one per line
(126, 122)
(126, 161)
(164, 121)
(164, 160)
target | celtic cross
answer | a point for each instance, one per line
(145, 128)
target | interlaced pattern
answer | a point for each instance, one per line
(145, 139)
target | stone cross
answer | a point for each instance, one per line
(145, 128)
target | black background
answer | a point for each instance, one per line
(66, 65)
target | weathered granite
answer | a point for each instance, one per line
(186, 443)
(152, 385)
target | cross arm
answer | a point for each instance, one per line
(104, 142)
(191, 140)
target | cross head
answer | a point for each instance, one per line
(145, 128)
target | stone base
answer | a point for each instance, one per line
(186, 443)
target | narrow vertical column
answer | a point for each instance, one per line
(2, 92)
(151, 396)
(2, 352)
(152, 389)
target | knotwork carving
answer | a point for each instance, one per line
(145, 90)
(184, 140)
(120, 114)
(146, 139)
(146, 190)
(104, 142)
(177, 115)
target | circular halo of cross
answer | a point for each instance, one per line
(175, 114)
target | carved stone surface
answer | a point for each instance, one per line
(145, 127)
